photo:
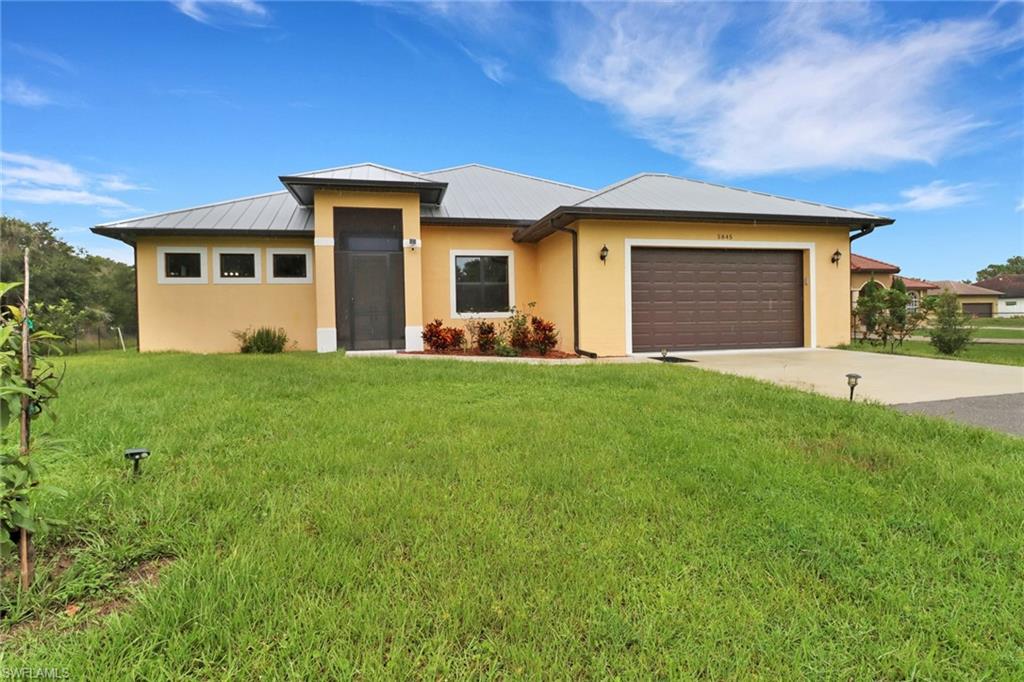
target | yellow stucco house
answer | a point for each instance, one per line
(361, 256)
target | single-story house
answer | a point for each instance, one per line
(362, 256)
(1011, 293)
(974, 300)
(865, 271)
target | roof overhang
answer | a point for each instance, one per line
(128, 235)
(302, 188)
(565, 215)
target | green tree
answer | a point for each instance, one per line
(951, 330)
(885, 314)
(62, 272)
(1014, 265)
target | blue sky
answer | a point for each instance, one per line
(914, 110)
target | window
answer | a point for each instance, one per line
(913, 301)
(290, 266)
(1009, 303)
(181, 265)
(236, 265)
(483, 283)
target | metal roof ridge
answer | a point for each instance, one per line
(354, 165)
(614, 185)
(509, 172)
(193, 208)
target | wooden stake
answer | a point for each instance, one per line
(25, 551)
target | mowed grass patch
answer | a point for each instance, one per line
(999, 321)
(993, 353)
(338, 517)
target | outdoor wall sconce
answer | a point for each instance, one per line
(836, 256)
(135, 456)
(851, 381)
(411, 243)
(604, 254)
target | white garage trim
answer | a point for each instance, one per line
(717, 244)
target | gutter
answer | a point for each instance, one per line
(575, 293)
(865, 230)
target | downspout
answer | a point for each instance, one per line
(575, 292)
(864, 232)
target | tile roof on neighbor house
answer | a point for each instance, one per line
(859, 263)
(912, 283)
(476, 194)
(1009, 286)
(963, 289)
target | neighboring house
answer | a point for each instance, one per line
(1011, 293)
(864, 271)
(362, 256)
(974, 300)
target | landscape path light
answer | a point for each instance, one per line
(851, 381)
(135, 456)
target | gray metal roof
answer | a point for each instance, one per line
(478, 192)
(481, 195)
(657, 195)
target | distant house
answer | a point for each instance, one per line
(867, 272)
(974, 300)
(1011, 293)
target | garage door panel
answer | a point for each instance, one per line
(693, 299)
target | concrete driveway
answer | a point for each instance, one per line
(889, 379)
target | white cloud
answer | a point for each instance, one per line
(1020, 205)
(212, 12)
(495, 69)
(34, 180)
(933, 196)
(17, 91)
(817, 86)
(45, 56)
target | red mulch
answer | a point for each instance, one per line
(552, 355)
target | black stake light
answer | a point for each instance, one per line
(851, 381)
(135, 456)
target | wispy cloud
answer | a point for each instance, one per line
(933, 196)
(817, 86)
(47, 57)
(493, 68)
(17, 91)
(1020, 205)
(215, 12)
(35, 180)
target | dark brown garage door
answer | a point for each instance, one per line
(703, 299)
(978, 309)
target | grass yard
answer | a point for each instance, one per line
(998, 354)
(999, 322)
(331, 517)
(987, 333)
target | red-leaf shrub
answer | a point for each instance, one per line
(438, 337)
(543, 335)
(486, 337)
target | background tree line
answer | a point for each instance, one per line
(74, 293)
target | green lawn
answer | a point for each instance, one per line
(998, 354)
(989, 333)
(335, 517)
(999, 322)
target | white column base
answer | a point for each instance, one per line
(414, 338)
(326, 339)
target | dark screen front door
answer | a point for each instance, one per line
(369, 278)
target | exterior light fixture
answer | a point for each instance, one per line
(604, 254)
(664, 353)
(135, 456)
(851, 381)
(836, 257)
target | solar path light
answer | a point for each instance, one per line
(851, 381)
(135, 456)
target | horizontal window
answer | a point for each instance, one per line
(482, 283)
(236, 265)
(289, 266)
(181, 265)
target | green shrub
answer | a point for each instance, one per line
(262, 340)
(951, 331)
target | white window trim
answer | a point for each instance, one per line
(511, 282)
(308, 279)
(221, 250)
(719, 244)
(161, 269)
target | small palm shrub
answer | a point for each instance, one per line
(262, 340)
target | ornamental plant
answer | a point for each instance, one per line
(28, 381)
(483, 335)
(543, 336)
(262, 340)
(951, 331)
(439, 338)
(516, 329)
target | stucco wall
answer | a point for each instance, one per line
(554, 284)
(1011, 307)
(201, 317)
(604, 286)
(436, 259)
(859, 279)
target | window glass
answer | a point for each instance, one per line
(182, 264)
(290, 265)
(237, 265)
(481, 284)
